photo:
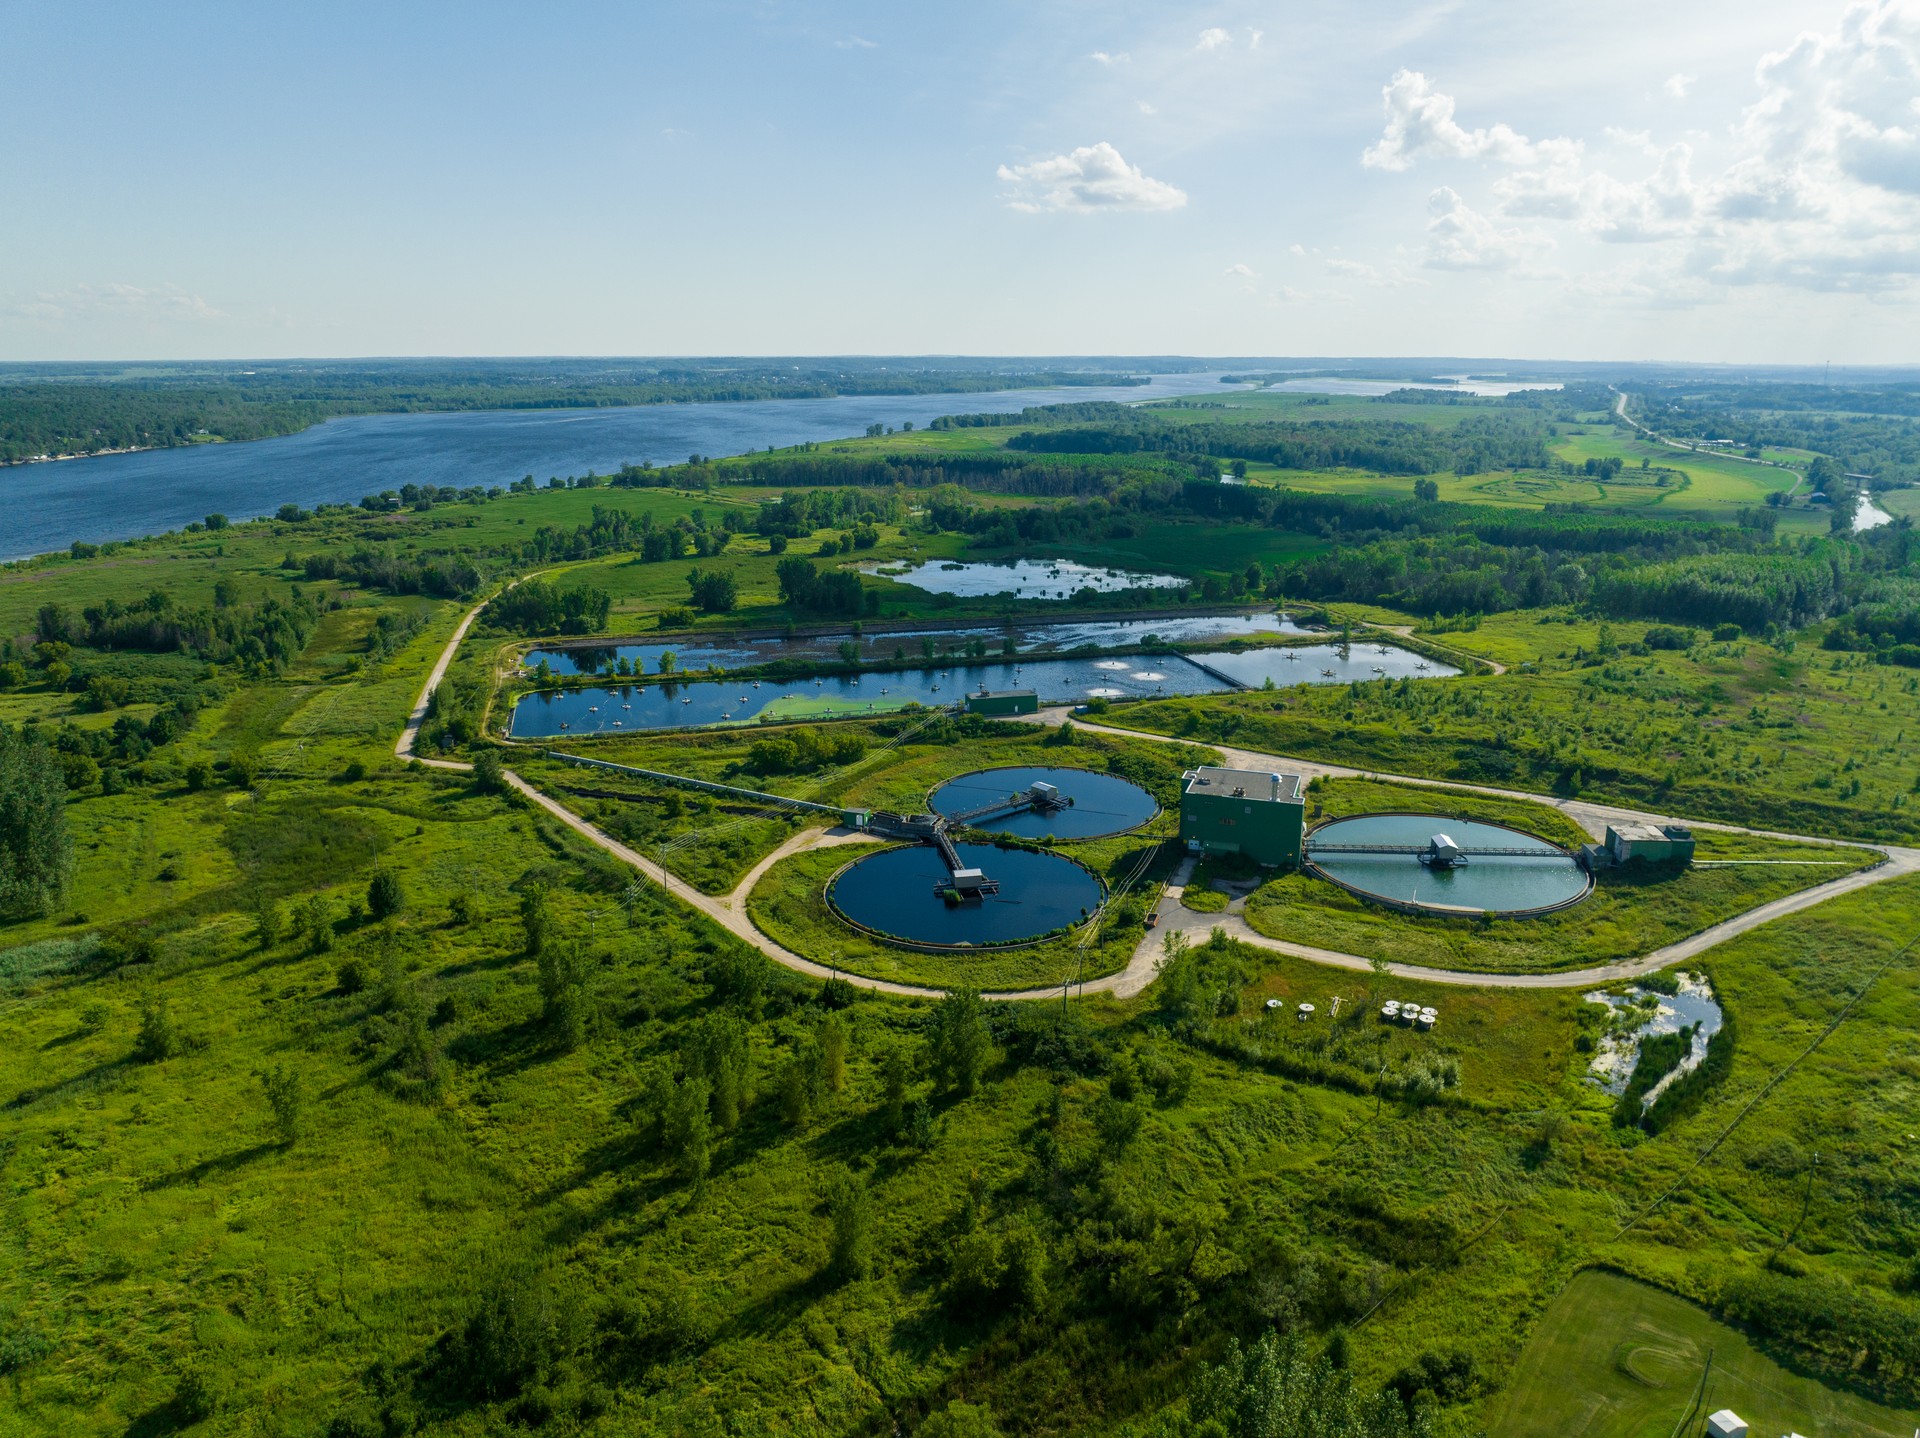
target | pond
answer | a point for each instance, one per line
(1098, 803)
(1322, 664)
(1641, 1013)
(678, 705)
(895, 893)
(728, 652)
(1868, 515)
(1546, 877)
(1021, 578)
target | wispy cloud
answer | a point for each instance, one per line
(164, 304)
(1213, 38)
(856, 42)
(1677, 85)
(1145, 108)
(1090, 179)
(1104, 57)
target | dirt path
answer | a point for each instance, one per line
(730, 910)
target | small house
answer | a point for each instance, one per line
(1726, 1424)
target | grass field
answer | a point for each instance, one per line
(486, 1095)
(1615, 1358)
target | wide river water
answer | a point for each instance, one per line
(121, 496)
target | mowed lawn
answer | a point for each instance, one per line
(1620, 1359)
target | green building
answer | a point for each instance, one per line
(1244, 811)
(1000, 703)
(1655, 843)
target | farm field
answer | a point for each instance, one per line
(1617, 1358)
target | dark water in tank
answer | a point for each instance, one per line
(1102, 803)
(893, 892)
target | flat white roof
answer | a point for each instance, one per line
(1263, 785)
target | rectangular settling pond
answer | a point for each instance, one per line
(676, 704)
(734, 653)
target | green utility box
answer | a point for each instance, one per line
(1003, 703)
(1653, 843)
(1244, 811)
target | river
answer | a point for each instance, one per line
(121, 496)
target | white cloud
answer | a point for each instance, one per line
(1245, 272)
(1459, 237)
(1420, 125)
(1678, 85)
(1089, 179)
(1145, 108)
(1253, 39)
(1821, 190)
(1213, 38)
(856, 42)
(1300, 250)
(1104, 58)
(166, 304)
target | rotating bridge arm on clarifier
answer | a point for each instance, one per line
(1415, 850)
(1012, 804)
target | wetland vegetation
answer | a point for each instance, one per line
(343, 1094)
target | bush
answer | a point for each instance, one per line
(350, 977)
(850, 1208)
(158, 1039)
(1668, 636)
(286, 1097)
(489, 772)
(385, 897)
(521, 1327)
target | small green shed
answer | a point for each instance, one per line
(1003, 703)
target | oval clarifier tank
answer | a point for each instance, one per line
(1445, 865)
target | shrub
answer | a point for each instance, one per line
(522, 1325)
(199, 775)
(158, 1039)
(385, 897)
(850, 1208)
(959, 1044)
(489, 773)
(286, 1097)
(350, 977)
(1668, 636)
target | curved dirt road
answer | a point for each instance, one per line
(730, 911)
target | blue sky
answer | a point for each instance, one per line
(1715, 181)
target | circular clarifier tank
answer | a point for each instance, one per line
(1090, 805)
(1530, 876)
(898, 894)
